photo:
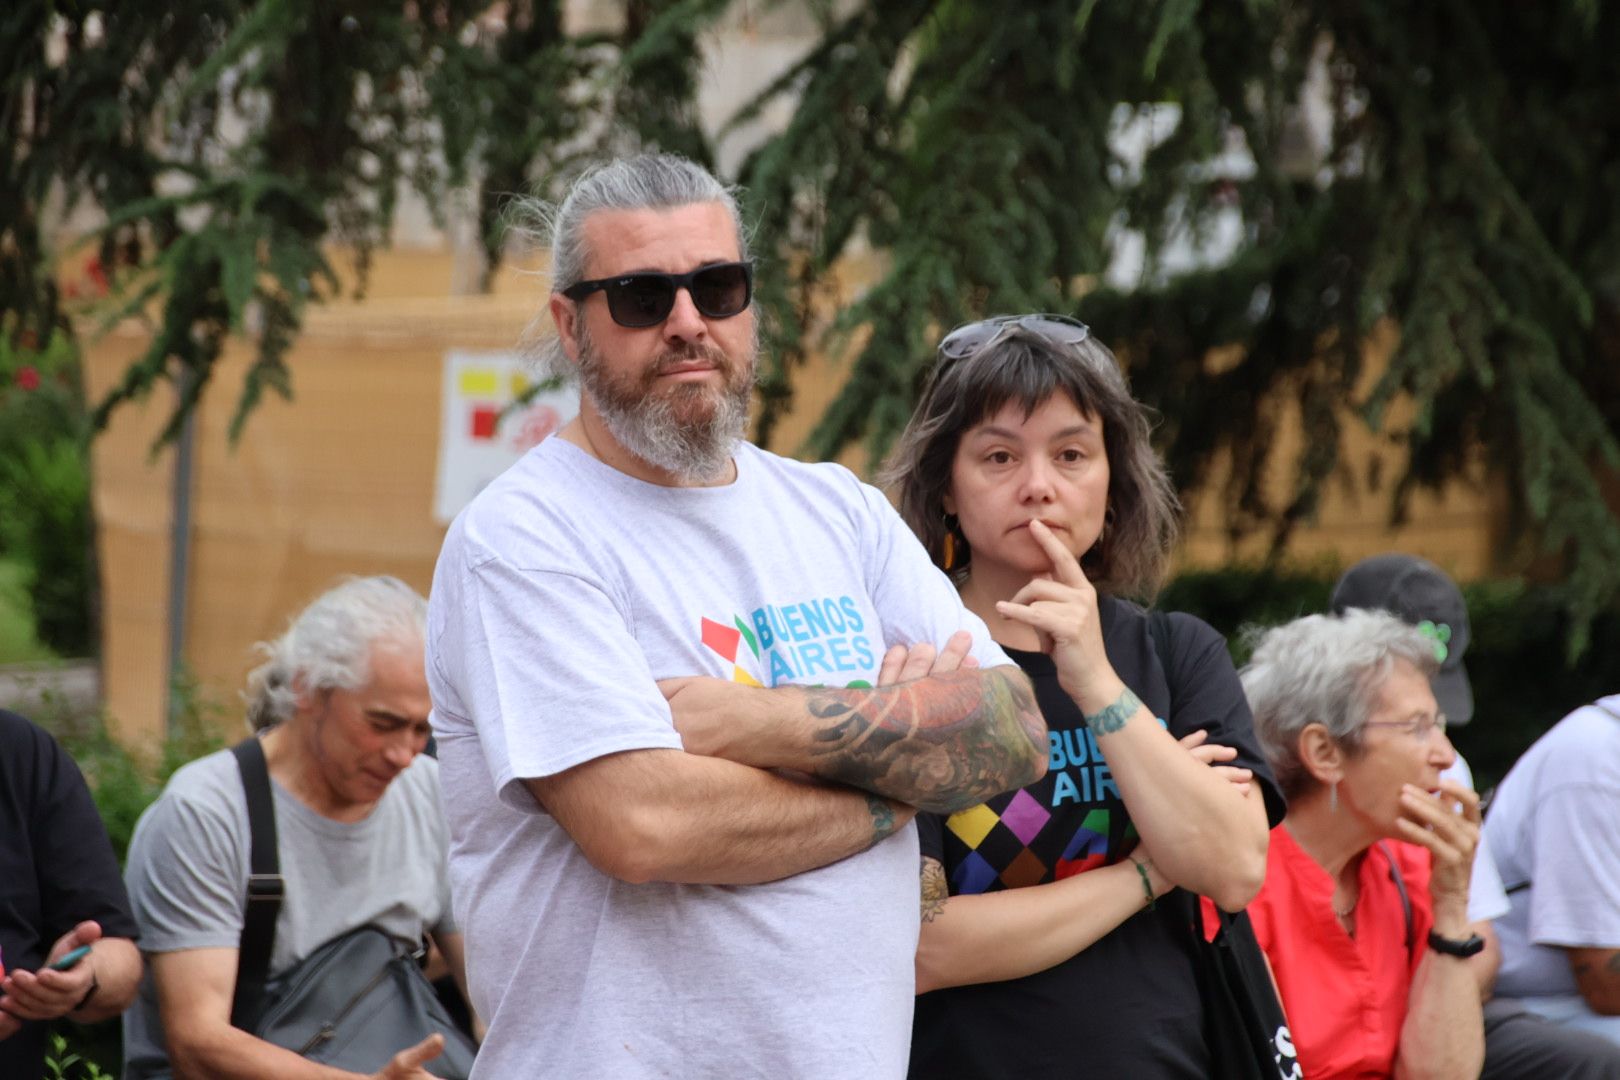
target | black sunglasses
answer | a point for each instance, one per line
(969, 338)
(718, 291)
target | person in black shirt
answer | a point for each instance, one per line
(59, 889)
(1047, 948)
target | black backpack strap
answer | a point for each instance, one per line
(265, 885)
(1400, 889)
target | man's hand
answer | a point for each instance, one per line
(706, 712)
(706, 709)
(407, 1064)
(47, 994)
(902, 664)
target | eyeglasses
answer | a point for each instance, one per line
(1421, 728)
(718, 291)
(970, 338)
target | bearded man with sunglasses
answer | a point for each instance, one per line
(688, 694)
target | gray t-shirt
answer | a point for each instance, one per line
(564, 592)
(188, 870)
(1555, 824)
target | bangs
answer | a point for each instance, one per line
(1026, 371)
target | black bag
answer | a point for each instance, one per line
(1244, 1024)
(353, 1003)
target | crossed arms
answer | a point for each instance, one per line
(941, 737)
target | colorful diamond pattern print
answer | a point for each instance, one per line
(1014, 841)
(973, 875)
(1025, 816)
(972, 826)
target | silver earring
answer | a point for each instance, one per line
(1333, 798)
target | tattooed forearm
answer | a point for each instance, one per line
(943, 743)
(883, 822)
(934, 890)
(1112, 718)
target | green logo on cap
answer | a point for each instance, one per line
(1440, 634)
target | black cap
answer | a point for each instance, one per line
(1420, 593)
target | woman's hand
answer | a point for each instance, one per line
(1213, 754)
(1062, 608)
(1447, 824)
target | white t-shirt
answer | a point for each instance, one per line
(1555, 823)
(1486, 898)
(563, 593)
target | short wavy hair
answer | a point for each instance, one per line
(1324, 669)
(1021, 366)
(329, 644)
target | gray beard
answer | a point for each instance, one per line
(672, 432)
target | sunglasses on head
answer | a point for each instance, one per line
(718, 291)
(969, 338)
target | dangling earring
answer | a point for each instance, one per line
(1333, 798)
(950, 543)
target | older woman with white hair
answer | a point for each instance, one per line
(1364, 911)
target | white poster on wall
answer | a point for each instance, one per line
(476, 442)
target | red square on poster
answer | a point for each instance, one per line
(483, 421)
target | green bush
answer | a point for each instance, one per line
(1522, 678)
(45, 520)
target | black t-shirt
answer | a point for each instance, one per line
(1128, 1006)
(57, 867)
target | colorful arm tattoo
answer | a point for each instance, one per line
(943, 743)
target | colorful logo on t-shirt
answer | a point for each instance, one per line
(1024, 843)
(822, 640)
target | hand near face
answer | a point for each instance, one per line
(1447, 824)
(1062, 609)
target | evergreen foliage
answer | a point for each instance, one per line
(230, 143)
(1465, 195)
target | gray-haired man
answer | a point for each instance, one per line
(680, 813)
(343, 707)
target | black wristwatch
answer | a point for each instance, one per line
(1472, 945)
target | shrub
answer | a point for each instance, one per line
(45, 521)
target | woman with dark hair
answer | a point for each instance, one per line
(1049, 946)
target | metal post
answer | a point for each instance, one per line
(179, 559)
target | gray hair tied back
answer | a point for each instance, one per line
(642, 182)
(328, 645)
